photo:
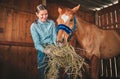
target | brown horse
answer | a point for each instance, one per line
(97, 43)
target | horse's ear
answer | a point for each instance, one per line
(75, 9)
(59, 10)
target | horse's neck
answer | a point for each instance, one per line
(85, 32)
(80, 31)
(82, 27)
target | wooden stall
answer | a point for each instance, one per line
(17, 52)
(109, 19)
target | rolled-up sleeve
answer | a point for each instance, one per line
(36, 38)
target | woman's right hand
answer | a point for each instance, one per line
(47, 51)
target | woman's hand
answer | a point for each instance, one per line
(47, 51)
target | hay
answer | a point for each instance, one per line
(64, 57)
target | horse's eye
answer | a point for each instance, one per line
(71, 20)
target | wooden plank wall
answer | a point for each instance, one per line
(109, 19)
(17, 54)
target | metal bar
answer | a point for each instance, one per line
(111, 71)
(116, 72)
(102, 67)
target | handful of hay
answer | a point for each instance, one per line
(64, 57)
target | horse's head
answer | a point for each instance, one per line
(66, 24)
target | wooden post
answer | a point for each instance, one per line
(44, 2)
(96, 18)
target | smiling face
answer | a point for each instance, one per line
(42, 15)
(66, 17)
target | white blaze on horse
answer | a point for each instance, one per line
(98, 43)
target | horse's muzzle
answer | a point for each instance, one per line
(61, 43)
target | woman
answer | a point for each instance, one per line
(43, 33)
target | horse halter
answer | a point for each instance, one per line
(67, 29)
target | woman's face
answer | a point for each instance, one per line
(42, 15)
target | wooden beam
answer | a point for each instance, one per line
(10, 43)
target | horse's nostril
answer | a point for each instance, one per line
(59, 41)
(62, 40)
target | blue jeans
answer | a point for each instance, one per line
(42, 61)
